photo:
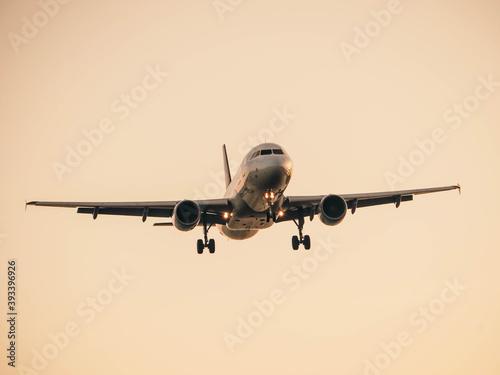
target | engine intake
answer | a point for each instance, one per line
(186, 215)
(332, 209)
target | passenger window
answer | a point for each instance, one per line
(265, 152)
(278, 151)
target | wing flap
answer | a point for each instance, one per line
(126, 211)
(379, 201)
(163, 224)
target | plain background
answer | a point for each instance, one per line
(227, 76)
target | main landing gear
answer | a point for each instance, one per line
(301, 239)
(201, 244)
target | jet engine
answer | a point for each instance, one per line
(186, 215)
(332, 209)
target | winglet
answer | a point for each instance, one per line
(227, 172)
(30, 203)
(459, 189)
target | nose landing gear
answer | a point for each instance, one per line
(271, 215)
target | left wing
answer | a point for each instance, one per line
(295, 206)
(214, 208)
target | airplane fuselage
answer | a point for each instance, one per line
(256, 191)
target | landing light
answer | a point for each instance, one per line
(226, 215)
(272, 195)
(281, 213)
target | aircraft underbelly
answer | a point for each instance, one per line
(244, 217)
(245, 222)
(236, 234)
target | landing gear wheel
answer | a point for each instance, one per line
(205, 242)
(301, 239)
(200, 246)
(307, 242)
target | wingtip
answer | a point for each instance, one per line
(30, 203)
(459, 189)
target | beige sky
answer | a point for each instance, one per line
(203, 73)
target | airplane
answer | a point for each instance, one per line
(254, 200)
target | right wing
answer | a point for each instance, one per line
(214, 208)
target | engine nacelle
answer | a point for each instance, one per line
(332, 209)
(186, 215)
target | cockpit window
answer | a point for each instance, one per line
(276, 151)
(255, 154)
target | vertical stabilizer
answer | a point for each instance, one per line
(227, 172)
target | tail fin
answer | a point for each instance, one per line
(227, 172)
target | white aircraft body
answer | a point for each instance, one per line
(254, 200)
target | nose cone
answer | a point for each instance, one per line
(272, 177)
(278, 161)
(276, 174)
